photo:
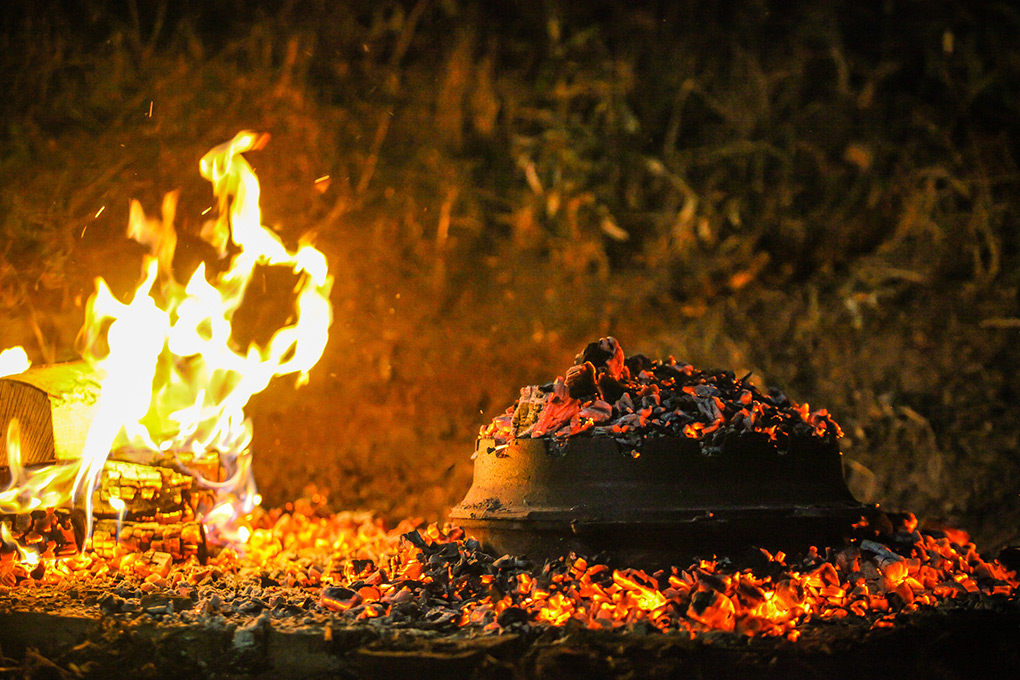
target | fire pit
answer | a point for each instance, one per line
(746, 469)
(129, 520)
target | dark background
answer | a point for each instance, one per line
(823, 195)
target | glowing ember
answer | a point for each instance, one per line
(172, 379)
(348, 565)
(606, 394)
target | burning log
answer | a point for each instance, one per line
(159, 544)
(54, 406)
(163, 490)
(136, 508)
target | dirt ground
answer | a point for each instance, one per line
(951, 643)
(823, 196)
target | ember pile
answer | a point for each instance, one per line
(605, 394)
(306, 565)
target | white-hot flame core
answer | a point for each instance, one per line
(173, 381)
(14, 360)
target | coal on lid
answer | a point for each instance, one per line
(607, 394)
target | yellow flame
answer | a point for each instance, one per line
(25, 556)
(172, 378)
(13, 360)
(28, 490)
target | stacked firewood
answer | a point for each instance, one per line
(151, 506)
(142, 502)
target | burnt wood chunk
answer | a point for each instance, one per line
(595, 354)
(51, 532)
(611, 388)
(179, 540)
(54, 405)
(159, 492)
(580, 381)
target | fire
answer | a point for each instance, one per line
(174, 383)
(172, 380)
(30, 490)
(13, 360)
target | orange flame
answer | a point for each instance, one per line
(172, 379)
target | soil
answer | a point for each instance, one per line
(948, 642)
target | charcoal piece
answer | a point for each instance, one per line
(650, 401)
(710, 409)
(599, 411)
(594, 354)
(511, 616)
(110, 603)
(415, 539)
(252, 606)
(580, 381)
(611, 388)
(449, 550)
(702, 600)
(707, 391)
(338, 598)
(637, 363)
(664, 372)
(510, 562)
(624, 404)
(880, 550)
(1010, 557)
(671, 401)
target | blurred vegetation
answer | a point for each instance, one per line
(824, 195)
